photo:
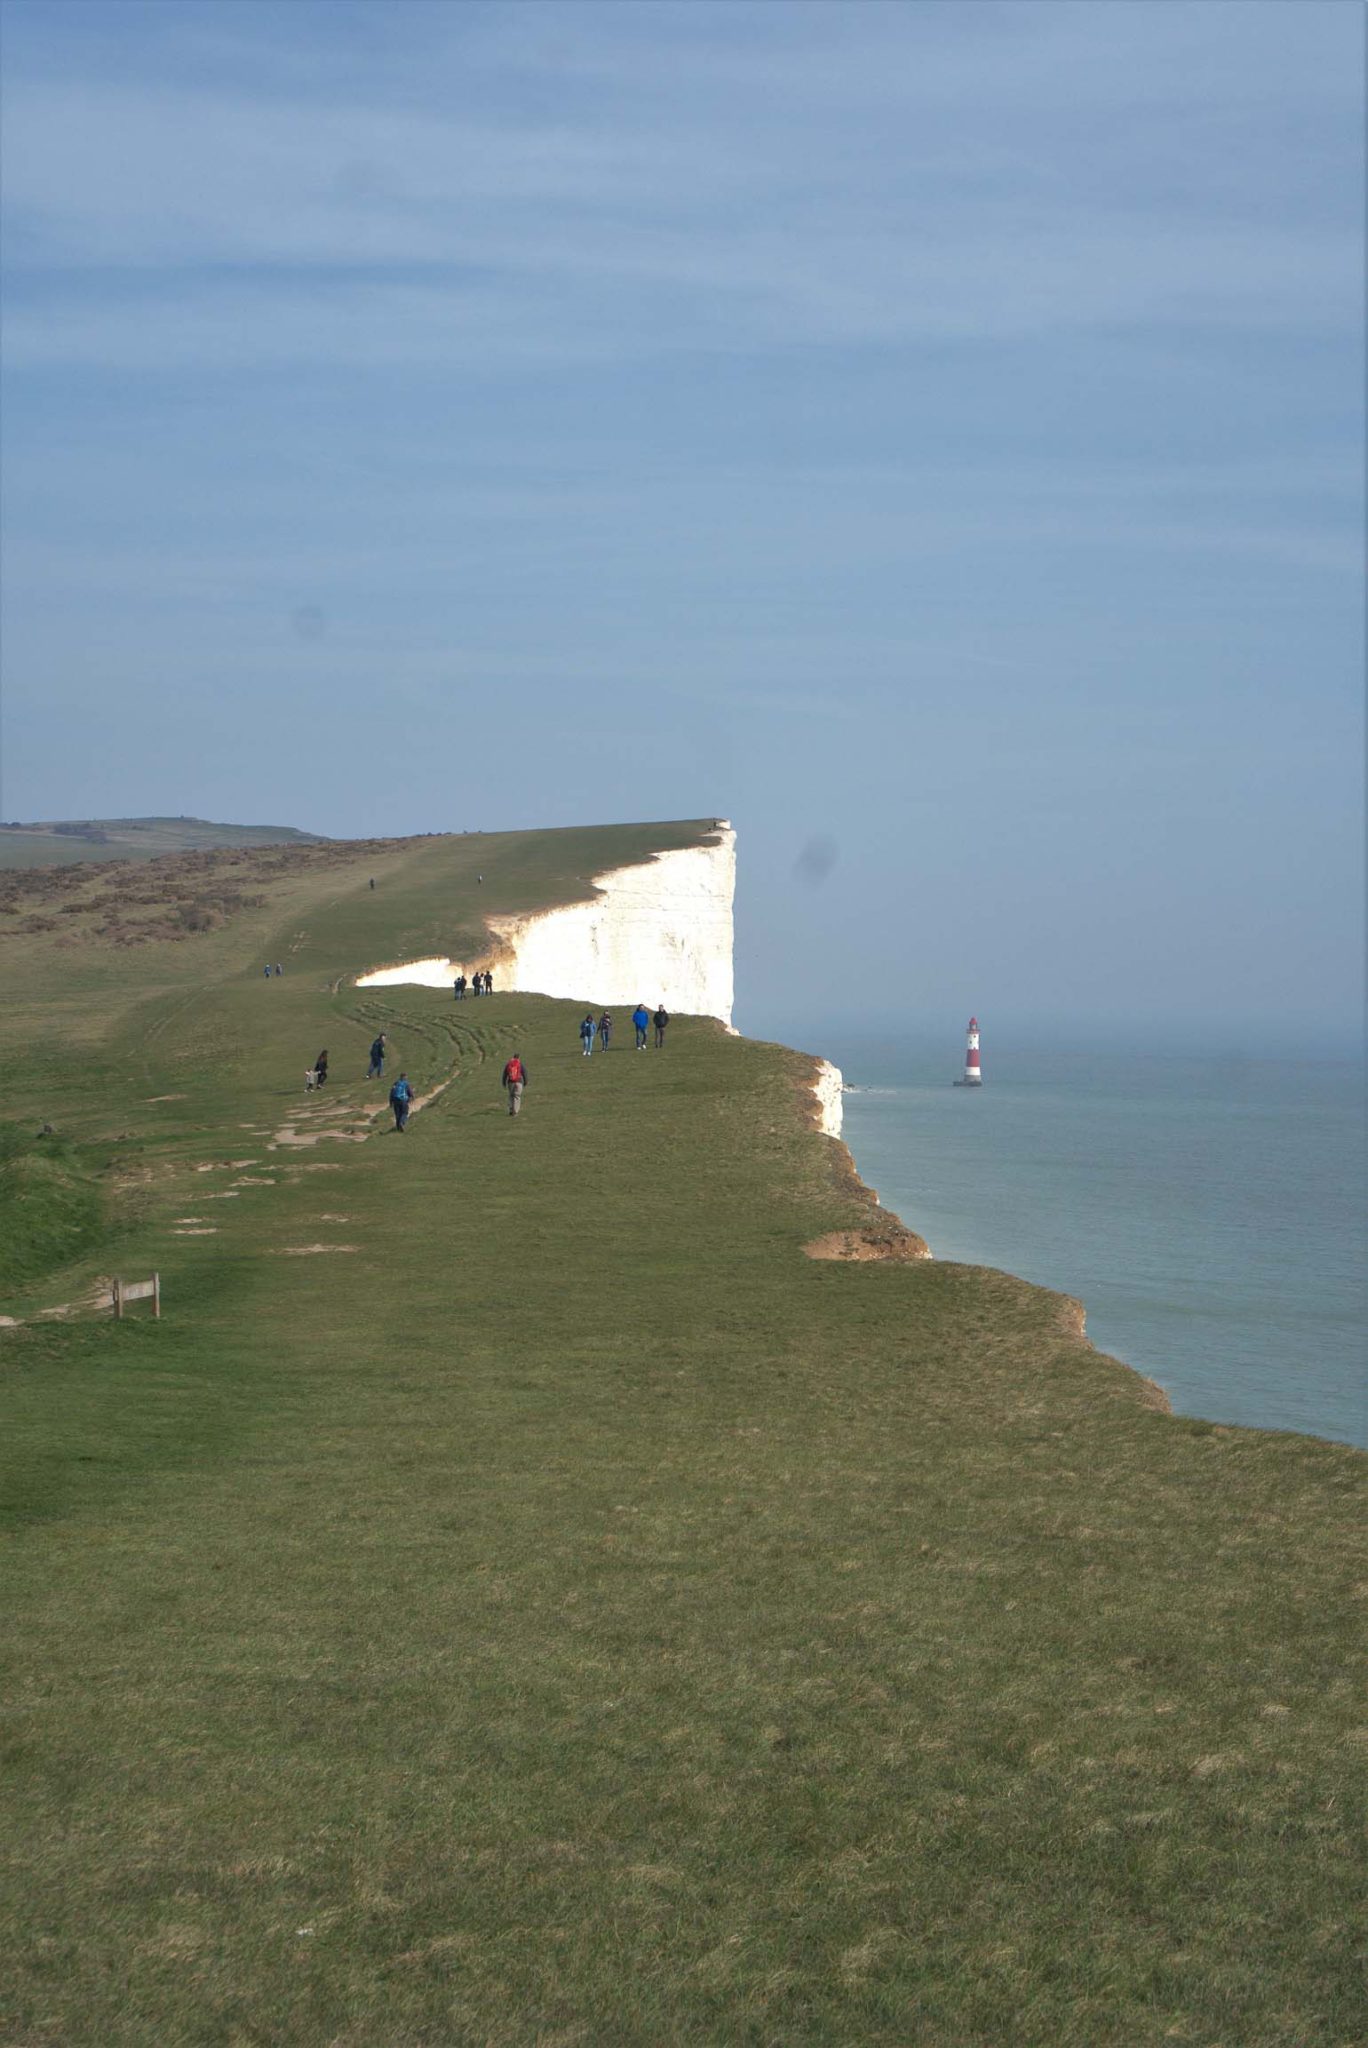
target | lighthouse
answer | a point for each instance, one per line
(973, 1078)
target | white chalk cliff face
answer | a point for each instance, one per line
(828, 1088)
(659, 932)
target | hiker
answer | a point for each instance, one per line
(266, 970)
(279, 968)
(372, 881)
(605, 1030)
(641, 1017)
(475, 983)
(661, 1019)
(489, 983)
(401, 1095)
(459, 988)
(587, 1035)
(321, 1068)
(376, 1070)
(514, 1080)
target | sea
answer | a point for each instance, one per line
(1209, 1211)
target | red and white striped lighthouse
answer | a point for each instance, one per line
(973, 1078)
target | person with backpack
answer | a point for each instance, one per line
(514, 1080)
(376, 1070)
(605, 1030)
(641, 1017)
(401, 1100)
(587, 1035)
(662, 1018)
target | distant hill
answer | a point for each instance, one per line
(69, 839)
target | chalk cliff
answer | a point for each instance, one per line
(828, 1088)
(660, 931)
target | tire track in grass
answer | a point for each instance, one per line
(464, 1041)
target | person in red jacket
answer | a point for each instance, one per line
(514, 1080)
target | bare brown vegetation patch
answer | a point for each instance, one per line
(174, 896)
(888, 1242)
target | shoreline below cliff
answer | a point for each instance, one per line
(887, 1237)
(1203, 1212)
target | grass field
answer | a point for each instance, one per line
(514, 1596)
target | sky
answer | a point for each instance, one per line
(930, 435)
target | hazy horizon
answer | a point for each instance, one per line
(933, 436)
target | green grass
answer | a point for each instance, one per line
(50, 1206)
(573, 1616)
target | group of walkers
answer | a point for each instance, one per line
(515, 1075)
(515, 1069)
(642, 1020)
(604, 1030)
(479, 985)
(400, 1095)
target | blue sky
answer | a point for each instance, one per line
(929, 434)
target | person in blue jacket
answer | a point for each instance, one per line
(587, 1029)
(401, 1098)
(641, 1018)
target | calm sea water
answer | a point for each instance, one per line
(1209, 1213)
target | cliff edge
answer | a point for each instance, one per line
(659, 931)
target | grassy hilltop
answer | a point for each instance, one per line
(73, 839)
(514, 1596)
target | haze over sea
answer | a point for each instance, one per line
(1208, 1210)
